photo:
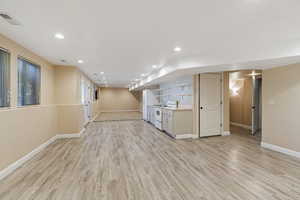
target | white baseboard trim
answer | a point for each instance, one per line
(12, 167)
(280, 149)
(195, 136)
(185, 136)
(94, 118)
(241, 125)
(71, 135)
(226, 133)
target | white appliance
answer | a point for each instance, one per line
(158, 117)
(149, 99)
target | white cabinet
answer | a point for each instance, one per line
(150, 113)
(177, 122)
(148, 100)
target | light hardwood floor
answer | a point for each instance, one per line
(118, 116)
(122, 160)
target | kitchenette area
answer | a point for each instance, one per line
(168, 107)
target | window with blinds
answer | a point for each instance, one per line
(29, 83)
(4, 78)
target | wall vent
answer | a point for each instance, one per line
(9, 19)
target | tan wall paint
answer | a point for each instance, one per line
(70, 118)
(280, 109)
(118, 99)
(68, 97)
(25, 128)
(196, 105)
(240, 105)
(226, 102)
(66, 79)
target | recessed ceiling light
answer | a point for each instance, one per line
(80, 61)
(101, 72)
(154, 66)
(59, 36)
(143, 75)
(177, 49)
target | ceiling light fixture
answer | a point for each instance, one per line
(143, 75)
(80, 61)
(154, 66)
(254, 73)
(59, 36)
(101, 72)
(177, 49)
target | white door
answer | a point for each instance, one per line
(210, 105)
(86, 99)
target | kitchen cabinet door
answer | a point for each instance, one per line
(170, 122)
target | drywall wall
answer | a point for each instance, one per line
(25, 128)
(61, 112)
(70, 99)
(280, 109)
(69, 107)
(66, 80)
(226, 102)
(241, 100)
(119, 99)
(171, 91)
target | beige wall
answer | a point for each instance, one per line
(226, 102)
(118, 99)
(241, 103)
(69, 107)
(280, 110)
(25, 128)
(66, 80)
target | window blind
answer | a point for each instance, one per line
(4, 78)
(29, 76)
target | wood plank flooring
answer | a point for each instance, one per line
(119, 116)
(120, 160)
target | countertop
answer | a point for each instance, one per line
(182, 108)
(178, 109)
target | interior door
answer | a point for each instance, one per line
(210, 105)
(256, 105)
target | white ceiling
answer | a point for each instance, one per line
(125, 38)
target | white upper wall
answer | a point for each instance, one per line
(125, 38)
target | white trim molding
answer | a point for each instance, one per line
(226, 133)
(241, 125)
(185, 136)
(71, 135)
(12, 167)
(280, 149)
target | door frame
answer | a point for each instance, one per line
(222, 102)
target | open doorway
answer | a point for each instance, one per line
(245, 102)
